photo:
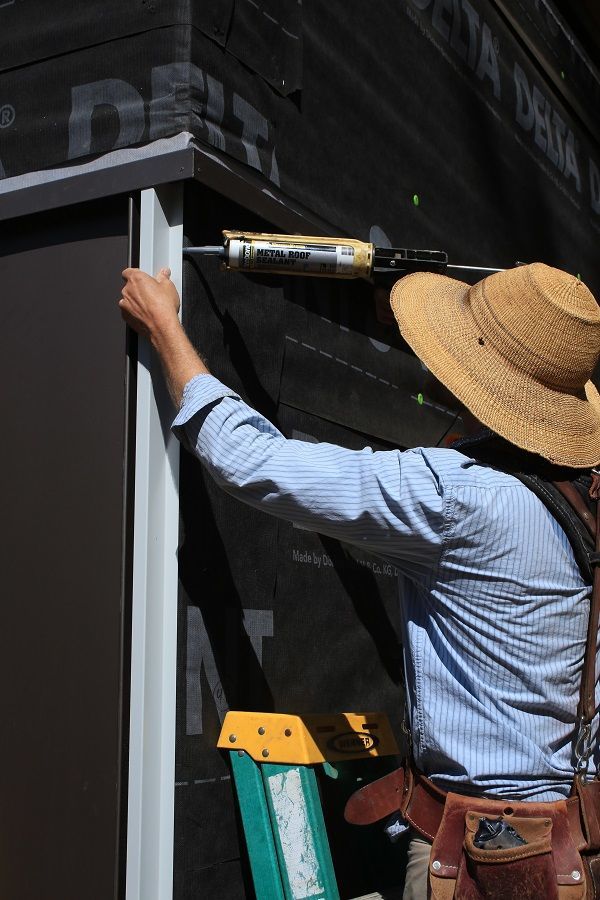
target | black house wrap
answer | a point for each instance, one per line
(468, 126)
(425, 97)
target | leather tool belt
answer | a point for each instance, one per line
(559, 859)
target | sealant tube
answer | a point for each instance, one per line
(297, 254)
(300, 254)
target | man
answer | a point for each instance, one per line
(494, 608)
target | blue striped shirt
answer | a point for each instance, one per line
(493, 607)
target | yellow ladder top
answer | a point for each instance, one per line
(308, 739)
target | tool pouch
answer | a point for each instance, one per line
(548, 865)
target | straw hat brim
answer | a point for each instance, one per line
(434, 316)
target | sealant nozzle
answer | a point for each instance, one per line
(205, 251)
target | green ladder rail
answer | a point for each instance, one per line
(273, 758)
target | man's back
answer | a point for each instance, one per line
(494, 635)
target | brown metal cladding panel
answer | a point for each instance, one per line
(62, 407)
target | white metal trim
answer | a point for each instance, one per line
(154, 602)
(114, 158)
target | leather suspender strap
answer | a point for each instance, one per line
(586, 709)
(587, 697)
(572, 496)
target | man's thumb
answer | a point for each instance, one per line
(164, 274)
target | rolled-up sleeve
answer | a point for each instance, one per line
(388, 502)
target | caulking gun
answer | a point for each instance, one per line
(329, 257)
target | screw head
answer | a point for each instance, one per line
(265, 753)
(232, 738)
(436, 865)
(575, 874)
(288, 732)
(261, 730)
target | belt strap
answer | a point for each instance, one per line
(421, 804)
(379, 799)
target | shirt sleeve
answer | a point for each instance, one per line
(388, 502)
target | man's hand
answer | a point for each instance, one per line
(149, 305)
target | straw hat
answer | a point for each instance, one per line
(518, 349)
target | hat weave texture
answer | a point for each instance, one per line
(518, 349)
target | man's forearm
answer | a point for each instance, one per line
(179, 359)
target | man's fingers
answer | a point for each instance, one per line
(125, 310)
(130, 274)
(133, 322)
(135, 275)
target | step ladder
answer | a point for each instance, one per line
(273, 760)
